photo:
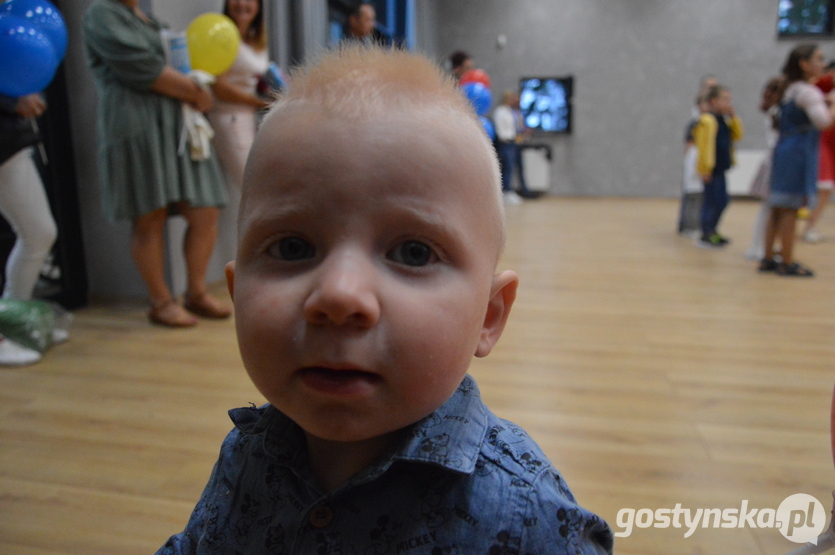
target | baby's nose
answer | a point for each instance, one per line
(345, 293)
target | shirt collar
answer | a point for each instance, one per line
(450, 437)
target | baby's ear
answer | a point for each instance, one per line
(502, 295)
(230, 277)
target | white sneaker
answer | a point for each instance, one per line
(512, 199)
(15, 354)
(812, 236)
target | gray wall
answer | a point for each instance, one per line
(636, 64)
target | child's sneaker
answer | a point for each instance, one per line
(15, 354)
(722, 239)
(712, 241)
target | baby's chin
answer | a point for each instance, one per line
(345, 426)
(384, 436)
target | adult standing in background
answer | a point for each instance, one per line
(362, 24)
(460, 63)
(24, 204)
(506, 119)
(523, 135)
(234, 113)
(23, 200)
(143, 176)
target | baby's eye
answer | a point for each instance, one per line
(291, 248)
(412, 253)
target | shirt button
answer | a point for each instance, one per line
(321, 517)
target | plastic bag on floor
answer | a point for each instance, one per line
(34, 324)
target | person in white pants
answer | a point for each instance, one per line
(24, 204)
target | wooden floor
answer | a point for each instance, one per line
(652, 372)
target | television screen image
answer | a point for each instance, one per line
(545, 103)
(804, 17)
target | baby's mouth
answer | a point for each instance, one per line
(338, 381)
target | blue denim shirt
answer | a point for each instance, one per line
(462, 482)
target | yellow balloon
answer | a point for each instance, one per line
(213, 41)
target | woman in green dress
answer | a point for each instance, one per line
(143, 176)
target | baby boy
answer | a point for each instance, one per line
(370, 228)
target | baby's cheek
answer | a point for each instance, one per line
(439, 369)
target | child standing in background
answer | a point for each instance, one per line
(760, 187)
(794, 170)
(715, 134)
(826, 165)
(692, 188)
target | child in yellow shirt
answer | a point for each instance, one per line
(715, 134)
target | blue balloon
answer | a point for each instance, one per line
(43, 16)
(488, 127)
(480, 97)
(28, 62)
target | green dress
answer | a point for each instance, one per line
(140, 130)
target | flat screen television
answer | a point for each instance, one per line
(545, 103)
(797, 18)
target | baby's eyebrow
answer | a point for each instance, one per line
(418, 212)
(424, 211)
(264, 217)
(439, 226)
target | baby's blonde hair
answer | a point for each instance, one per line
(355, 82)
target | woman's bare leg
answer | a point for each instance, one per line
(148, 252)
(198, 244)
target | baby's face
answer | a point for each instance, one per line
(364, 270)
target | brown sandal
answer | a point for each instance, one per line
(171, 315)
(207, 306)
